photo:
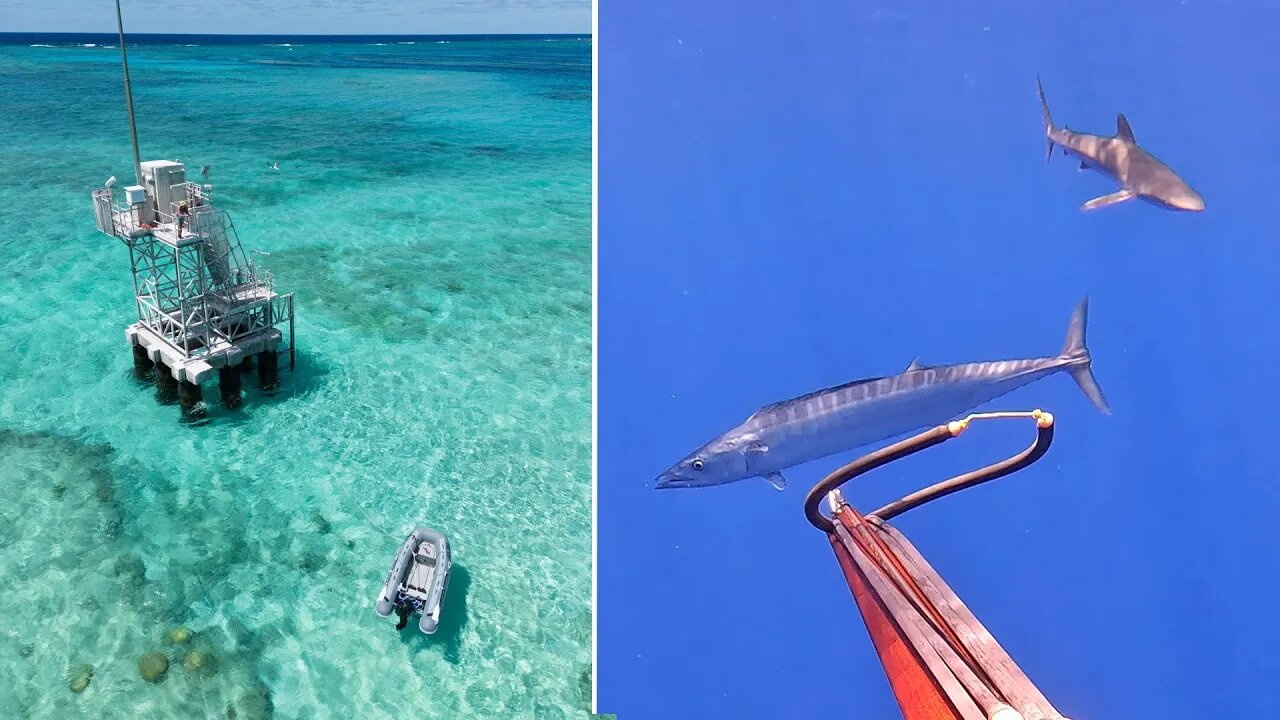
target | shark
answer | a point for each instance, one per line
(1140, 174)
(825, 422)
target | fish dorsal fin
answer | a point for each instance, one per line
(1123, 131)
(915, 365)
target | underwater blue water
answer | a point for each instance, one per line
(432, 214)
(795, 197)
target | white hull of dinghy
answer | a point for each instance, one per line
(421, 569)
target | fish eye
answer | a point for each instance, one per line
(697, 464)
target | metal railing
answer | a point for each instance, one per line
(115, 218)
(103, 213)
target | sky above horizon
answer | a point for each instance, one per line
(302, 17)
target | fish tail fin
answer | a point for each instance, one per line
(1048, 120)
(1075, 353)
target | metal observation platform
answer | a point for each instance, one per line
(203, 305)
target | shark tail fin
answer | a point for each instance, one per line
(1048, 120)
(1076, 354)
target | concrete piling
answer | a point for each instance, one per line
(142, 365)
(189, 397)
(268, 371)
(166, 383)
(229, 386)
(178, 378)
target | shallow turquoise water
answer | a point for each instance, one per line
(432, 214)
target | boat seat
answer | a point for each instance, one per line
(422, 572)
(426, 550)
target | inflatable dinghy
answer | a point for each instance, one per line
(418, 580)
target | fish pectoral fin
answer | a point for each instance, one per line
(776, 480)
(1118, 196)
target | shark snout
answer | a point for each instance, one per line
(1179, 196)
(1190, 200)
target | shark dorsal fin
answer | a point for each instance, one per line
(1123, 131)
(915, 365)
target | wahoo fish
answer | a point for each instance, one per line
(825, 422)
(1139, 173)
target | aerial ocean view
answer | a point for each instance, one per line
(431, 211)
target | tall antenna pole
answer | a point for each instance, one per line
(128, 96)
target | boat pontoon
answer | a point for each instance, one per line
(418, 580)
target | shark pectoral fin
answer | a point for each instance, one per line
(776, 480)
(1118, 196)
(1084, 165)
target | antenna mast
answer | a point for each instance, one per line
(128, 96)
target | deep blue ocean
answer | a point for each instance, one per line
(794, 197)
(431, 211)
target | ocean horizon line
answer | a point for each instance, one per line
(7, 38)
